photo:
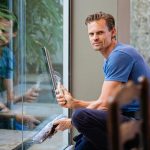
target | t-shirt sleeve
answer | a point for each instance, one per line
(9, 58)
(118, 67)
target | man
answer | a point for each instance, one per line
(8, 30)
(122, 63)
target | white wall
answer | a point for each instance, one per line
(123, 20)
(87, 74)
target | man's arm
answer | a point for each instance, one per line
(108, 90)
(102, 102)
(29, 96)
(65, 99)
(8, 84)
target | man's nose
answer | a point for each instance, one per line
(95, 37)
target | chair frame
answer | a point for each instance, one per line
(123, 95)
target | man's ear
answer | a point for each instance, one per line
(114, 32)
(14, 34)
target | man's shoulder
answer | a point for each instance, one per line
(119, 58)
(127, 51)
(125, 48)
(122, 53)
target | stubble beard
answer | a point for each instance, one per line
(99, 48)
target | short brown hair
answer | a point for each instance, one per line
(8, 15)
(110, 21)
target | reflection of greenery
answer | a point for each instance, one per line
(5, 13)
(4, 10)
(43, 25)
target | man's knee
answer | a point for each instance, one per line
(78, 117)
(87, 118)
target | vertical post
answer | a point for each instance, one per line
(145, 106)
(114, 125)
(22, 49)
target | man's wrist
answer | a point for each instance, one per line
(74, 104)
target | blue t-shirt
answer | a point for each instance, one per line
(125, 63)
(6, 66)
(6, 63)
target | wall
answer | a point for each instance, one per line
(87, 75)
(123, 20)
(140, 27)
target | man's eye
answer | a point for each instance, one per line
(4, 31)
(91, 34)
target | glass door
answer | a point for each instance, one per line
(40, 24)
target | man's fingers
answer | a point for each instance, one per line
(60, 128)
(37, 122)
(61, 103)
(65, 91)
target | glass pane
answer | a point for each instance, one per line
(8, 116)
(140, 29)
(32, 101)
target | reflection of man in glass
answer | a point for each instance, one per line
(6, 55)
(8, 30)
(7, 60)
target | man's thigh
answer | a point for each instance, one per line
(92, 124)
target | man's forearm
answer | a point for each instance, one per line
(7, 114)
(81, 104)
(18, 99)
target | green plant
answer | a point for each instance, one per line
(44, 23)
(44, 27)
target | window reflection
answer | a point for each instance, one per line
(27, 100)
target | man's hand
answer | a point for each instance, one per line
(64, 98)
(63, 124)
(28, 120)
(31, 95)
(3, 108)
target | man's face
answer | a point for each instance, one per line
(5, 31)
(99, 35)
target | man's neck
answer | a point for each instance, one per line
(107, 51)
(0, 51)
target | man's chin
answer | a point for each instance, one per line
(96, 48)
(2, 43)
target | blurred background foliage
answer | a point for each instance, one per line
(44, 27)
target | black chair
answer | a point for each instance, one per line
(121, 134)
(145, 112)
